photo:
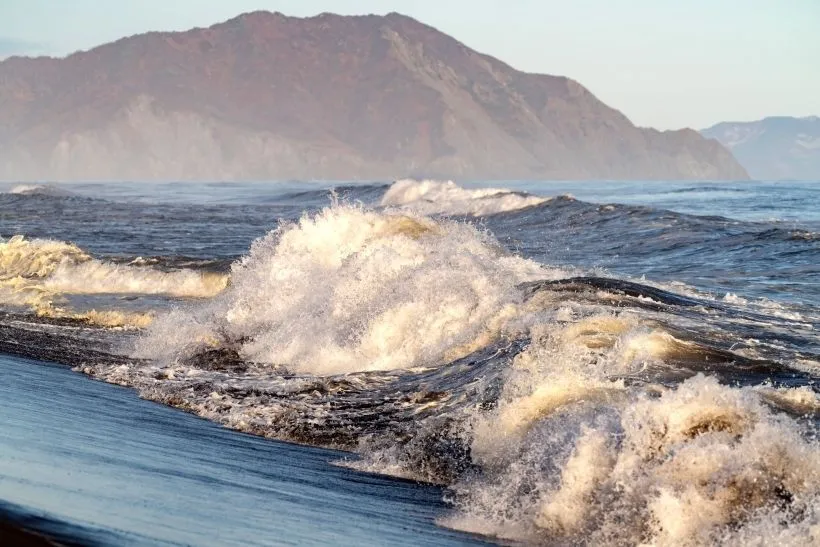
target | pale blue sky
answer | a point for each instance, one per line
(664, 63)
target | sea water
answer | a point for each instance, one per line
(579, 362)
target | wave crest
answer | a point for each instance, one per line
(351, 290)
(36, 272)
(432, 197)
(573, 454)
(40, 190)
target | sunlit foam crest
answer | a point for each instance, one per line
(97, 277)
(36, 258)
(432, 197)
(572, 454)
(349, 289)
(40, 190)
(35, 273)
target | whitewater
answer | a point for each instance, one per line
(587, 363)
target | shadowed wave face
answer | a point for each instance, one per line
(632, 365)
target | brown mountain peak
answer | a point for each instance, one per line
(264, 95)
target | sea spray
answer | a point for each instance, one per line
(351, 290)
(572, 454)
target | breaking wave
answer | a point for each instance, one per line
(575, 453)
(37, 273)
(431, 197)
(557, 409)
(40, 190)
(351, 290)
(556, 406)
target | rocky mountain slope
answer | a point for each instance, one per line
(774, 148)
(265, 96)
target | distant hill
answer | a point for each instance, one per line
(265, 96)
(773, 148)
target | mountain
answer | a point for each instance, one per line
(265, 96)
(774, 148)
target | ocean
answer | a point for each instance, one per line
(416, 362)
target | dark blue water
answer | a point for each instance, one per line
(760, 238)
(115, 470)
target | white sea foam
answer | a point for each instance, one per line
(98, 277)
(573, 455)
(40, 190)
(732, 298)
(432, 197)
(37, 272)
(798, 400)
(350, 290)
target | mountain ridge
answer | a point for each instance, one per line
(775, 147)
(265, 96)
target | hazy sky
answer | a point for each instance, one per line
(664, 63)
